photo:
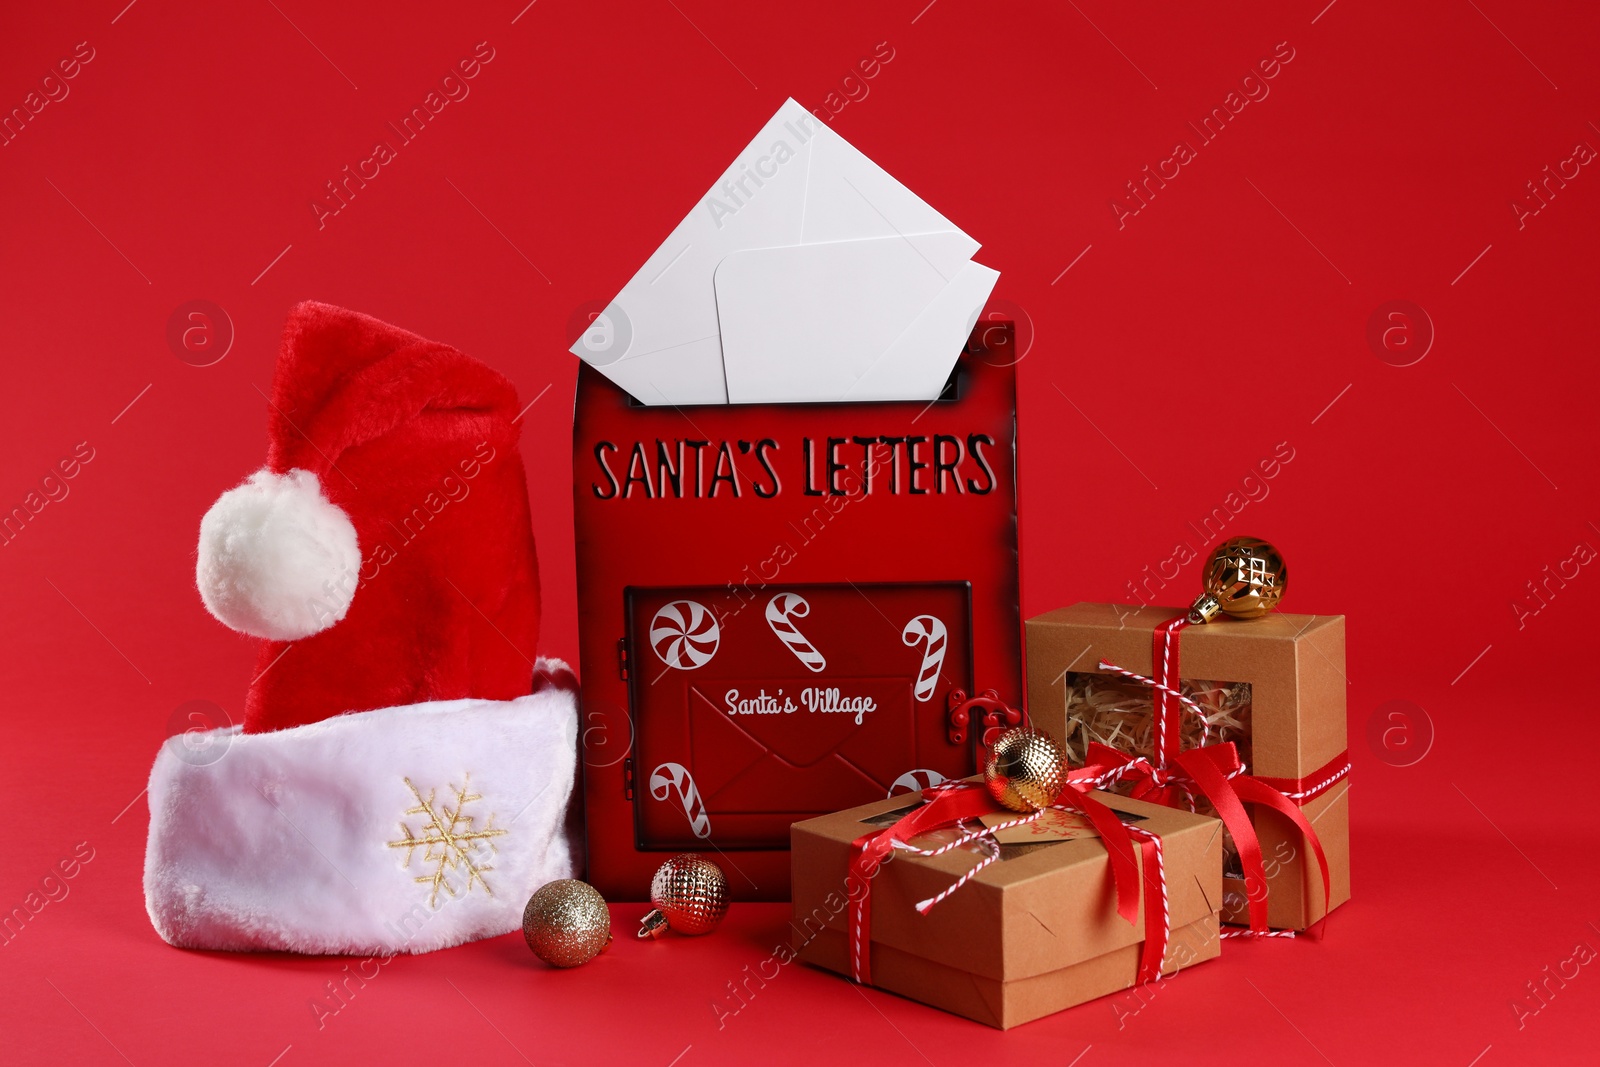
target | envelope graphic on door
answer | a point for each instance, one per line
(767, 736)
(769, 763)
(805, 274)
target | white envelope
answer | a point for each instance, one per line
(806, 273)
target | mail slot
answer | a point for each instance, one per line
(779, 605)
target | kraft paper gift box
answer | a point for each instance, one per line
(1032, 934)
(1280, 682)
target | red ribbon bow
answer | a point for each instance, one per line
(952, 803)
(1216, 773)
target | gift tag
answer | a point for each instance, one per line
(1056, 824)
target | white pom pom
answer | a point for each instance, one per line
(277, 558)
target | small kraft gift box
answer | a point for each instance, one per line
(1272, 687)
(1004, 918)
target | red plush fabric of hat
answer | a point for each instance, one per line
(403, 777)
(411, 447)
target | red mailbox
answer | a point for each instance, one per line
(783, 609)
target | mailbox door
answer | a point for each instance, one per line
(804, 699)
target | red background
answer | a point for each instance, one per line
(1228, 315)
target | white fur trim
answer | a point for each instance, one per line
(277, 559)
(282, 842)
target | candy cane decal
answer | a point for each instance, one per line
(671, 777)
(927, 628)
(916, 781)
(684, 635)
(779, 610)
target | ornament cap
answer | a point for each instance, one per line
(1204, 609)
(653, 925)
(1245, 578)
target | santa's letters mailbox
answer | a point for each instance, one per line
(782, 609)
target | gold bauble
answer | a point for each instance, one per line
(1026, 769)
(690, 895)
(1245, 577)
(567, 923)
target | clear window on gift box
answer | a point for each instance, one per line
(1120, 714)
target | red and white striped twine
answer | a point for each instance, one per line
(1159, 722)
(1186, 701)
(984, 834)
(1245, 931)
(1326, 783)
(1161, 876)
(858, 909)
(1158, 776)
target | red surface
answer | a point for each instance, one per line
(1228, 315)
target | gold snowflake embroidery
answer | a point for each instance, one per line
(449, 841)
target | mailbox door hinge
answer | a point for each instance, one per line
(622, 658)
(627, 778)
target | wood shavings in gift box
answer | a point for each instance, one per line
(1120, 714)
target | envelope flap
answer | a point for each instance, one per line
(850, 196)
(794, 737)
(918, 361)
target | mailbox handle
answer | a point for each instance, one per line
(992, 715)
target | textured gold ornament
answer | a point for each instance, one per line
(567, 923)
(1026, 769)
(1245, 577)
(690, 895)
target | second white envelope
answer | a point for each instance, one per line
(807, 273)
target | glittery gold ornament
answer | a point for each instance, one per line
(1245, 577)
(1026, 769)
(690, 895)
(567, 923)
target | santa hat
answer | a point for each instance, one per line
(403, 772)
